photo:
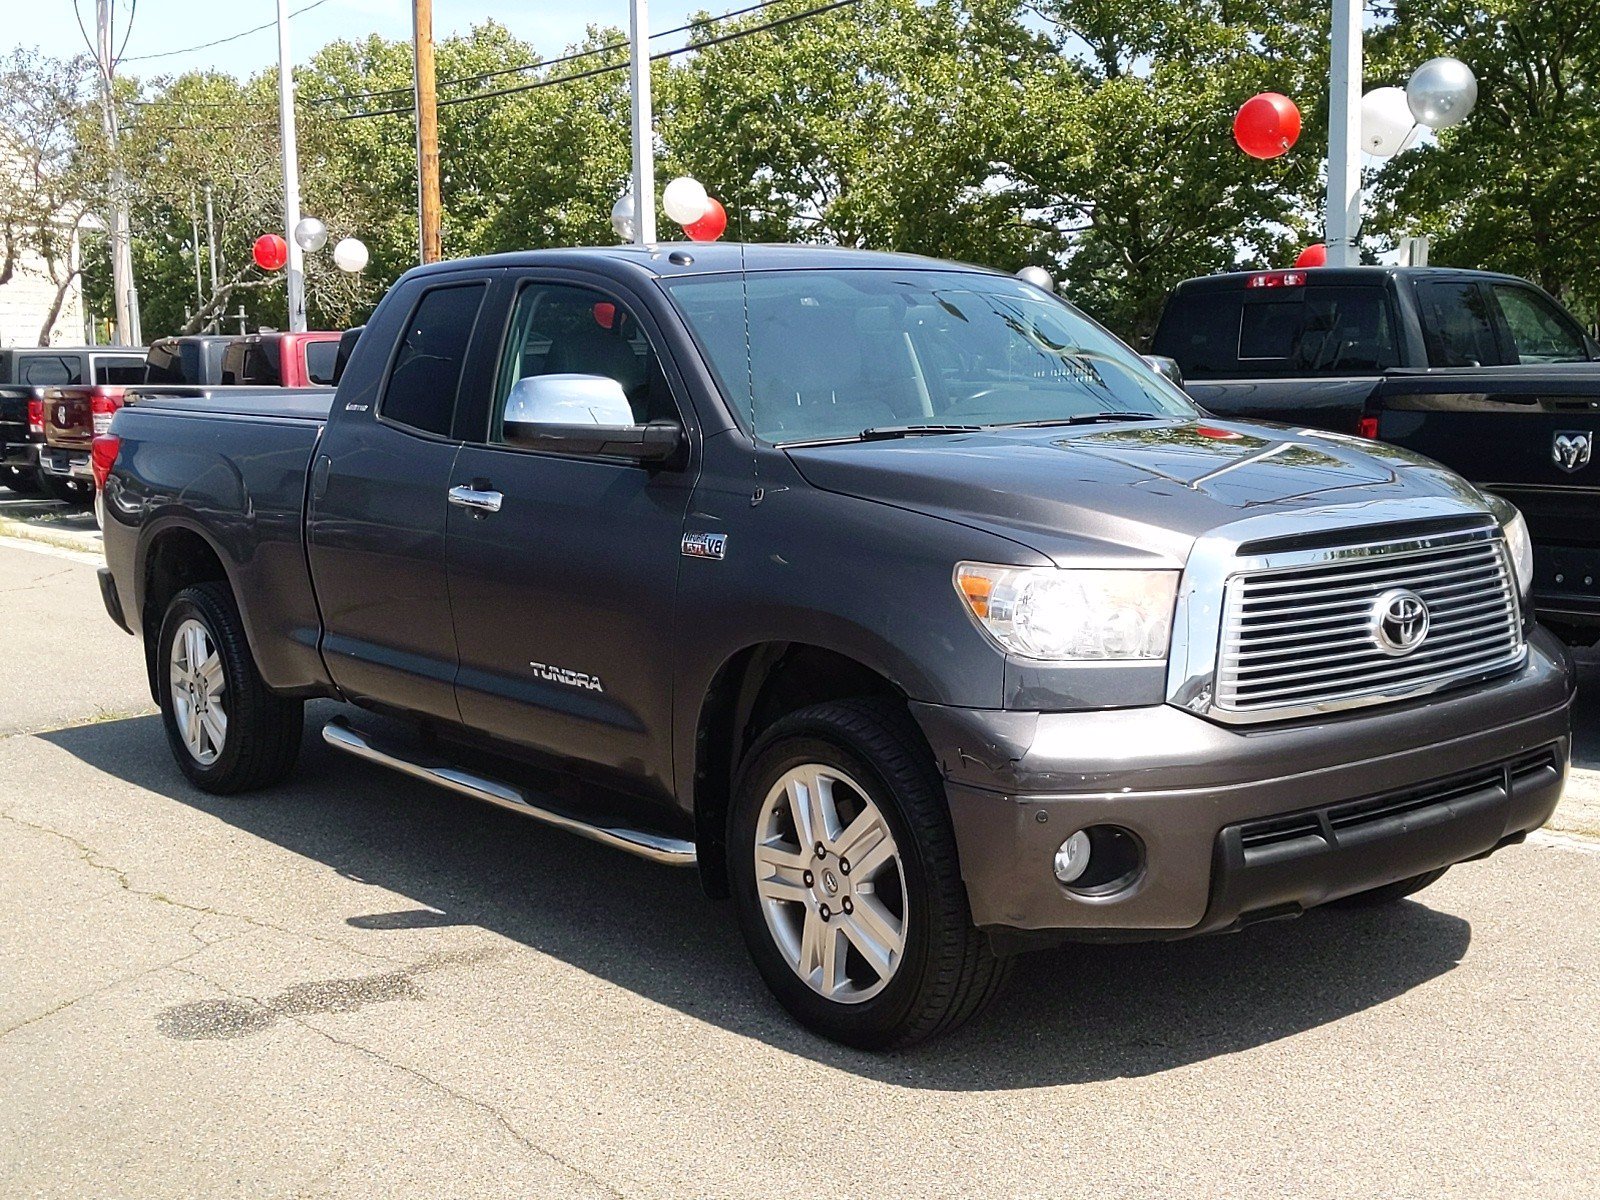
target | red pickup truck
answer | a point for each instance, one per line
(75, 416)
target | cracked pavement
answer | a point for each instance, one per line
(355, 985)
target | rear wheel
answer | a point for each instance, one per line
(1390, 892)
(228, 732)
(21, 480)
(844, 874)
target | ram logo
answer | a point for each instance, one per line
(1572, 448)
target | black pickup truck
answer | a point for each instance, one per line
(898, 597)
(1482, 372)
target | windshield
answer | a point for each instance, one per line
(844, 353)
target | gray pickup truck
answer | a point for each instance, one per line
(899, 598)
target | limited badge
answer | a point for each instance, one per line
(705, 545)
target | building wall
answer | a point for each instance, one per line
(27, 298)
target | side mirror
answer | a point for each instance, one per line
(1167, 368)
(588, 415)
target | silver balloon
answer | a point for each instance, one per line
(1441, 92)
(622, 216)
(311, 234)
(1039, 277)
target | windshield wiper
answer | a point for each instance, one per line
(1087, 419)
(884, 432)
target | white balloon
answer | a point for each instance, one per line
(1441, 92)
(1039, 277)
(622, 216)
(350, 255)
(311, 234)
(685, 200)
(1385, 121)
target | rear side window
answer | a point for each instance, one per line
(427, 369)
(50, 370)
(118, 372)
(1457, 326)
(1540, 332)
(321, 358)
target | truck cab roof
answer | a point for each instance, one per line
(1326, 276)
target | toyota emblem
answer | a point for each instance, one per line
(1399, 621)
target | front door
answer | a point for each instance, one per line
(563, 597)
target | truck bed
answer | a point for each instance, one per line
(295, 404)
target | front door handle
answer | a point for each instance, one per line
(476, 499)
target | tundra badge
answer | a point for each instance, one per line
(571, 678)
(705, 545)
(1572, 448)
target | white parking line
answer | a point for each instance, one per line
(1564, 841)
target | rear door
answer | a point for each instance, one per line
(378, 506)
(563, 597)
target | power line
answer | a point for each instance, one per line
(594, 71)
(233, 37)
(552, 62)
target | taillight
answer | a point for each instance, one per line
(102, 456)
(1367, 427)
(103, 405)
(36, 416)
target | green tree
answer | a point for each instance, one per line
(1512, 188)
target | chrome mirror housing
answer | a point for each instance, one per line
(567, 400)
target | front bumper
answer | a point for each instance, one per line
(1359, 800)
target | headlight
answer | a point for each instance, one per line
(1517, 541)
(1071, 614)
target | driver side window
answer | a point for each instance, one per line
(562, 329)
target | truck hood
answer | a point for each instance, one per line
(1130, 491)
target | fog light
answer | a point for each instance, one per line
(1072, 859)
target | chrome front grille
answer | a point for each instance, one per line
(1302, 632)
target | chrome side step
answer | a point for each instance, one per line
(674, 852)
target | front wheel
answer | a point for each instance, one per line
(228, 732)
(846, 882)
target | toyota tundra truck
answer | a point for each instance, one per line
(899, 599)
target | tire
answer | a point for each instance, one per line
(67, 491)
(259, 734)
(1389, 893)
(873, 762)
(21, 480)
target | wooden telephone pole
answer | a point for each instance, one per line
(427, 101)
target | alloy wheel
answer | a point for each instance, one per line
(198, 692)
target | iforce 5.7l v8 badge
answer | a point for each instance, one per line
(705, 545)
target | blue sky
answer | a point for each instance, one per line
(163, 25)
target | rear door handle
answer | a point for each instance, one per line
(476, 499)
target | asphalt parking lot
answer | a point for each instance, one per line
(356, 985)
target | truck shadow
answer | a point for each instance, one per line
(1586, 710)
(1075, 1015)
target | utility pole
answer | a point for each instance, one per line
(291, 175)
(126, 297)
(644, 145)
(211, 245)
(1343, 220)
(194, 240)
(427, 107)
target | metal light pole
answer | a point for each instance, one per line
(1343, 218)
(644, 147)
(291, 175)
(126, 300)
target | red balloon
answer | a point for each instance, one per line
(270, 252)
(1266, 125)
(709, 227)
(1314, 255)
